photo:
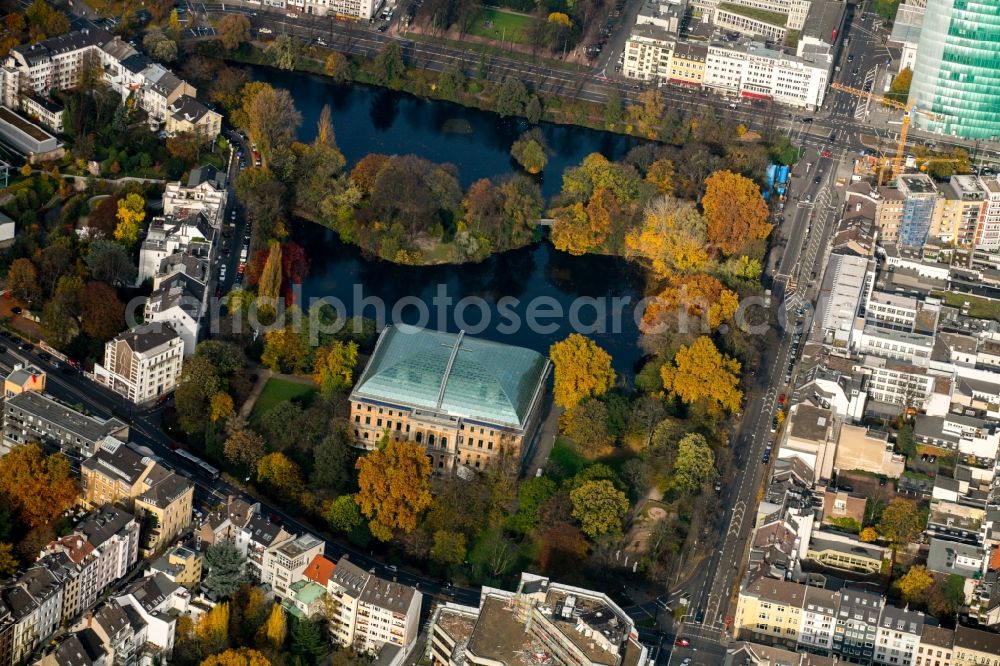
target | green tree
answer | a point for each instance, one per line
(530, 151)
(449, 547)
(511, 96)
(159, 46)
(338, 67)
(110, 262)
(333, 460)
(587, 425)
(193, 395)
(8, 563)
(531, 495)
(308, 642)
(22, 280)
(243, 447)
(613, 112)
(223, 568)
(695, 464)
(344, 515)
(389, 65)
(599, 507)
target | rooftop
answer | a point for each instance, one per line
(31, 129)
(148, 337)
(459, 375)
(319, 570)
(943, 558)
(975, 639)
(762, 15)
(47, 408)
(779, 591)
(119, 461)
(809, 423)
(499, 637)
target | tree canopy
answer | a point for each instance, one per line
(582, 369)
(393, 487)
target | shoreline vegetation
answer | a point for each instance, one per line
(416, 213)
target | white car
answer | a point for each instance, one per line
(264, 31)
(292, 15)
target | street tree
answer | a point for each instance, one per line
(233, 30)
(736, 212)
(223, 568)
(192, 397)
(281, 475)
(700, 372)
(244, 447)
(582, 370)
(389, 64)
(599, 507)
(449, 547)
(393, 487)
(343, 514)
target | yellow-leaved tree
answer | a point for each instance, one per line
(240, 657)
(280, 474)
(36, 487)
(735, 210)
(334, 368)
(699, 296)
(913, 582)
(672, 238)
(393, 487)
(131, 213)
(700, 372)
(582, 370)
(276, 627)
(221, 406)
(212, 629)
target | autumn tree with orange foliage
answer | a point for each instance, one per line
(35, 486)
(582, 370)
(672, 238)
(700, 372)
(736, 212)
(393, 487)
(701, 296)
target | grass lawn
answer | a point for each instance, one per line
(567, 459)
(980, 308)
(496, 24)
(278, 390)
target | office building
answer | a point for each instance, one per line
(955, 74)
(920, 196)
(463, 398)
(31, 416)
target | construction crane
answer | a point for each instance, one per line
(908, 110)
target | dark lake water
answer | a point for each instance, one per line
(374, 120)
(563, 293)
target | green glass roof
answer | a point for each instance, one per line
(455, 374)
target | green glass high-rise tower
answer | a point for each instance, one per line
(957, 70)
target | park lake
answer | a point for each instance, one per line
(373, 120)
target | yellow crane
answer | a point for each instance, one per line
(908, 110)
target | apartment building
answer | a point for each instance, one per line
(157, 602)
(687, 65)
(867, 449)
(896, 382)
(341, 9)
(31, 416)
(255, 538)
(166, 506)
(81, 648)
(819, 620)
(959, 210)
(988, 230)
(371, 612)
(171, 234)
(974, 647)
(647, 53)
(463, 398)
(58, 62)
(34, 599)
(114, 535)
(898, 636)
(204, 193)
(143, 363)
(751, 21)
(935, 647)
(283, 563)
(846, 287)
(122, 634)
(181, 565)
(770, 612)
(857, 625)
(186, 115)
(911, 348)
(179, 302)
(561, 624)
(227, 522)
(117, 473)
